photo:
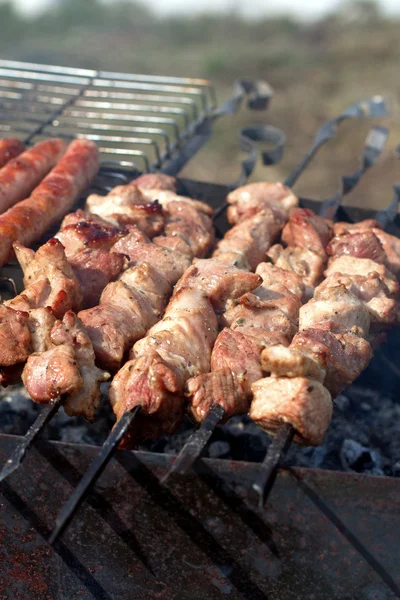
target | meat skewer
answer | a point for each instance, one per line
(155, 379)
(382, 304)
(10, 148)
(142, 282)
(305, 256)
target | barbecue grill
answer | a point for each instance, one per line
(323, 535)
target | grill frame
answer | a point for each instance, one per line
(166, 114)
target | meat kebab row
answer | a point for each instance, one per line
(61, 347)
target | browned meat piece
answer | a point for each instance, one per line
(171, 264)
(94, 269)
(176, 348)
(391, 247)
(157, 181)
(250, 240)
(250, 199)
(271, 274)
(122, 317)
(126, 205)
(81, 230)
(303, 402)
(219, 281)
(28, 220)
(52, 373)
(175, 243)
(285, 361)
(15, 337)
(277, 296)
(253, 312)
(235, 366)
(360, 244)
(194, 227)
(337, 305)
(218, 387)
(343, 355)
(130, 240)
(49, 269)
(307, 264)
(342, 228)
(165, 197)
(305, 229)
(67, 369)
(22, 174)
(348, 265)
(373, 291)
(127, 309)
(150, 282)
(41, 322)
(10, 148)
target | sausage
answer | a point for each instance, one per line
(22, 174)
(28, 220)
(10, 148)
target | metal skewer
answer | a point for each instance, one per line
(373, 147)
(17, 456)
(94, 471)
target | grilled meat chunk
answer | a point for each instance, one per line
(305, 229)
(67, 368)
(165, 197)
(157, 181)
(342, 228)
(303, 402)
(126, 205)
(219, 281)
(127, 308)
(247, 201)
(245, 244)
(338, 305)
(94, 269)
(81, 230)
(15, 337)
(307, 264)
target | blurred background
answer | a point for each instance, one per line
(319, 56)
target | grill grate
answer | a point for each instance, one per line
(140, 122)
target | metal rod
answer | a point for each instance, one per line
(17, 456)
(196, 443)
(94, 472)
(261, 487)
(373, 107)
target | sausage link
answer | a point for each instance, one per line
(22, 174)
(10, 148)
(28, 220)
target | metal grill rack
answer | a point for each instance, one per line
(140, 122)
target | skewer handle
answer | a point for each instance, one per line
(17, 456)
(260, 489)
(196, 443)
(94, 472)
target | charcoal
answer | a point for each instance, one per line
(356, 457)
